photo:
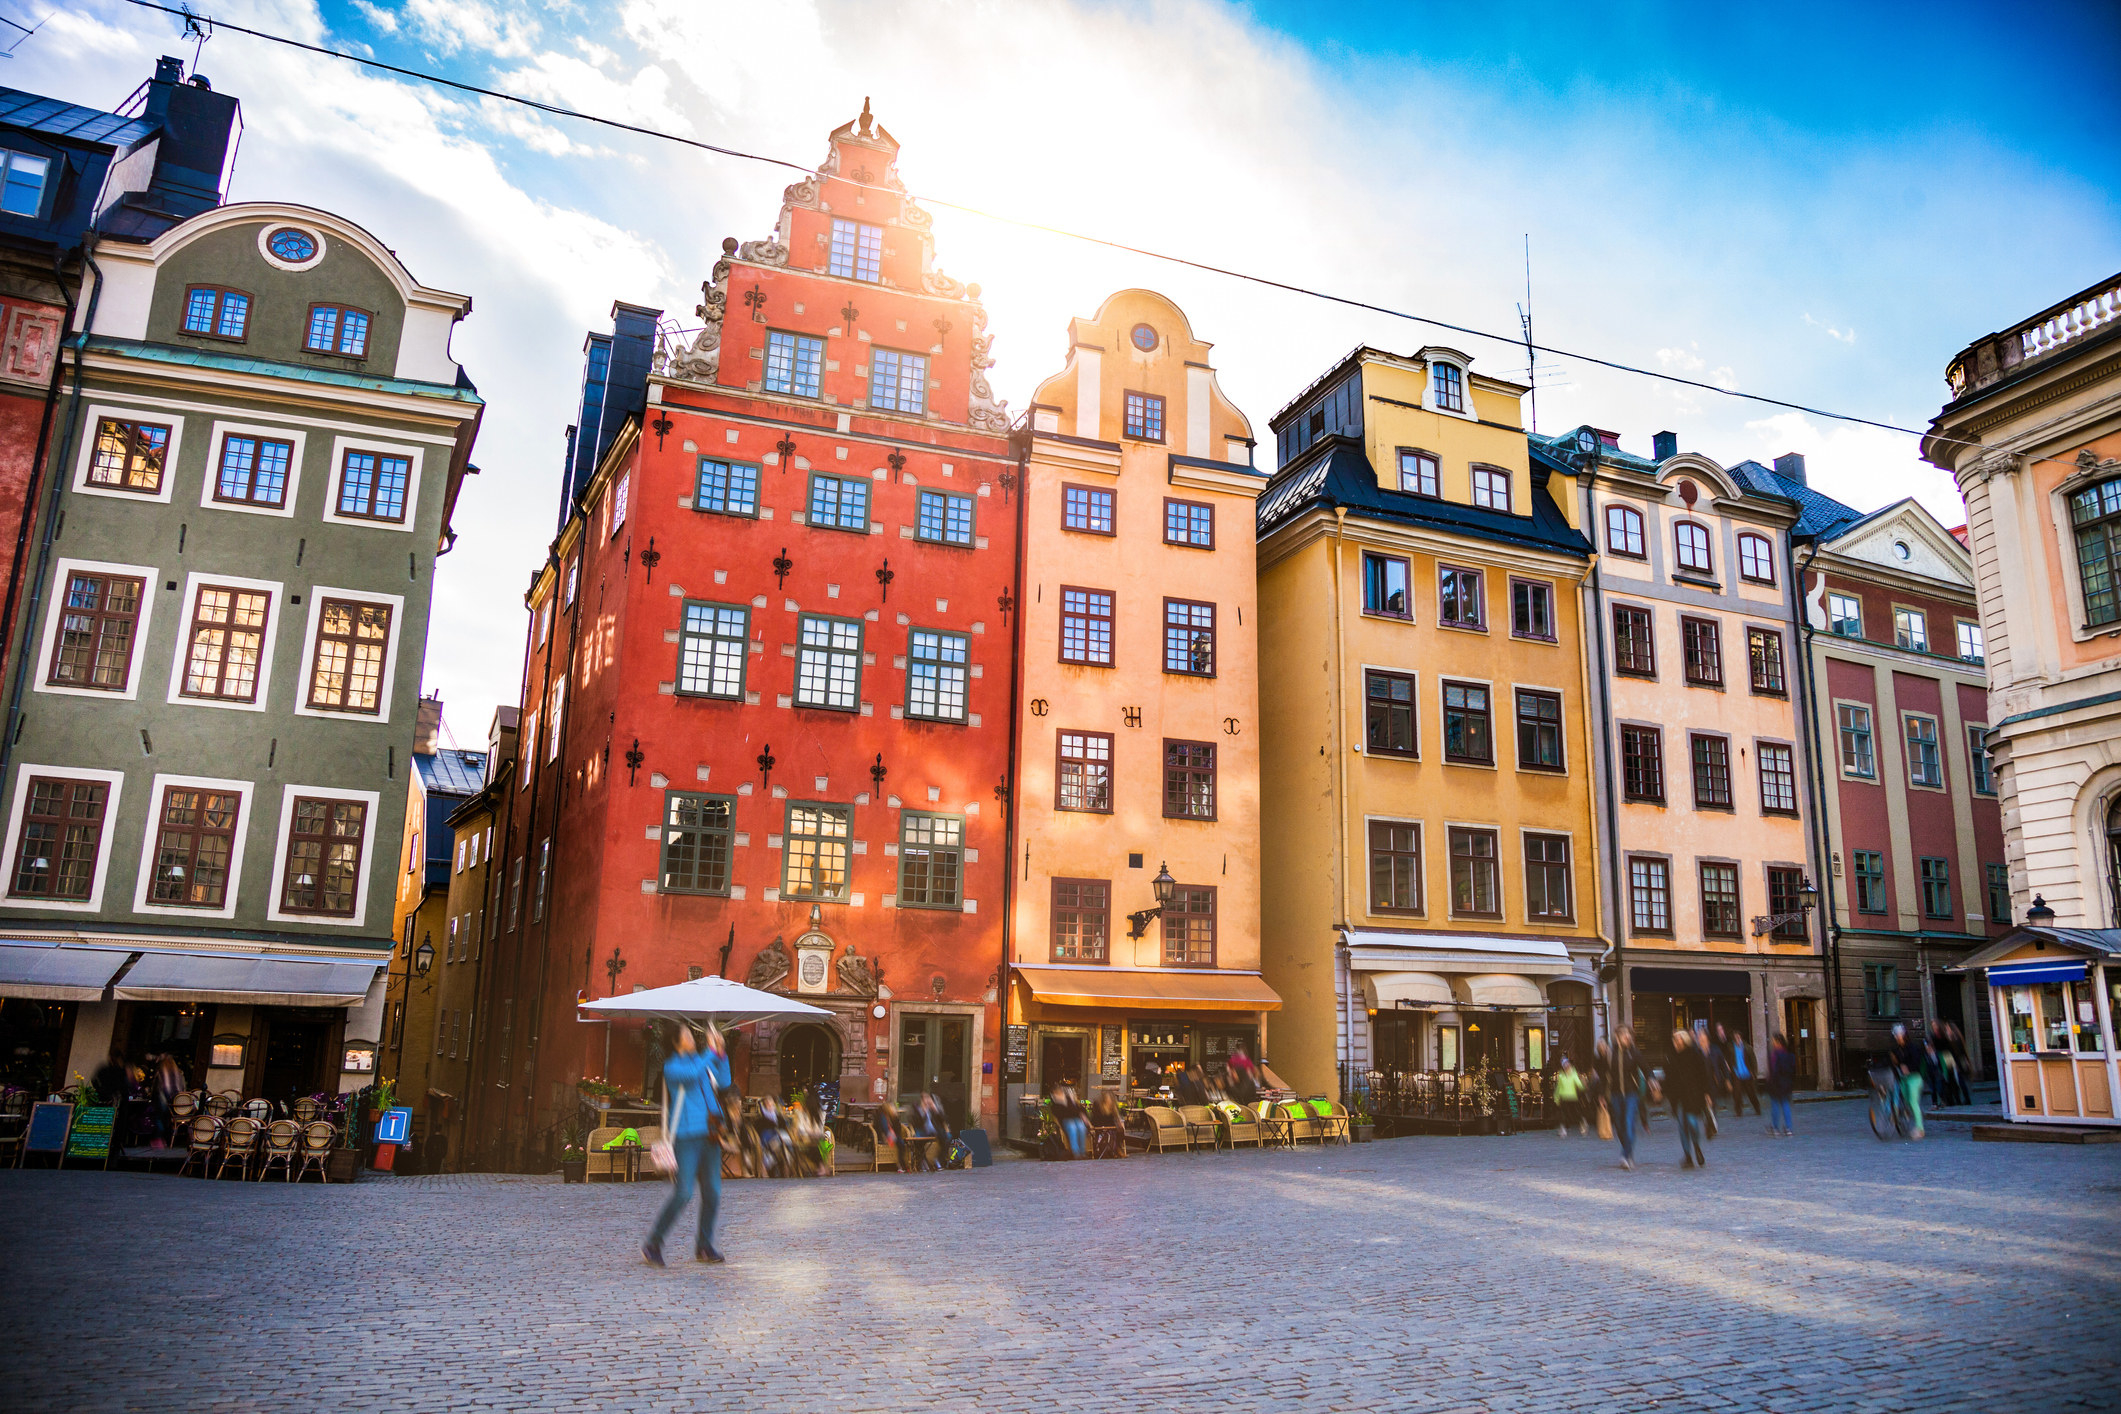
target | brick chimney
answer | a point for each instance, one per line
(1790, 467)
(427, 725)
(1664, 445)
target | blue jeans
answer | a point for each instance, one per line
(1778, 1109)
(1078, 1132)
(699, 1162)
(1690, 1121)
(1626, 1124)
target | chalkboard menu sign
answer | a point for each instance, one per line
(1016, 1055)
(1115, 1067)
(48, 1123)
(90, 1138)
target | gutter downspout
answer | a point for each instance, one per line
(1820, 843)
(36, 466)
(1004, 974)
(1616, 951)
(574, 625)
(1343, 975)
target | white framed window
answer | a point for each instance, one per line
(857, 250)
(1446, 389)
(95, 629)
(526, 750)
(828, 663)
(1972, 648)
(253, 469)
(59, 838)
(1491, 488)
(358, 649)
(22, 179)
(1419, 473)
(1859, 750)
(321, 855)
(621, 496)
(128, 454)
(1911, 629)
(374, 484)
(1844, 615)
(555, 703)
(191, 853)
(225, 642)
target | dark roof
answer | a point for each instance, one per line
(452, 772)
(1818, 514)
(51, 117)
(1334, 471)
(459, 391)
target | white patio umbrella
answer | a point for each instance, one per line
(715, 999)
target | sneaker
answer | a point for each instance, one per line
(1688, 1164)
(1628, 1164)
(708, 1254)
(653, 1253)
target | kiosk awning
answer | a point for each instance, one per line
(1371, 949)
(1384, 990)
(2019, 974)
(195, 977)
(55, 974)
(1481, 989)
(1149, 991)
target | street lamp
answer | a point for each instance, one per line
(1807, 900)
(423, 957)
(1163, 883)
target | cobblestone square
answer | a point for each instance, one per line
(1529, 1272)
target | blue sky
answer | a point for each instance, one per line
(1822, 206)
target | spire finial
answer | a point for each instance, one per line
(865, 115)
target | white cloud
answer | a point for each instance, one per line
(1846, 336)
(383, 20)
(452, 26)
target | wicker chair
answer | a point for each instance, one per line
(306, 1110)
(1302, 1123)
(1240, 1124)
(1164, 1129)
(283, 1143)
(221, 1106)
(317, 1139)
(259, 1110)
(1333, 1120)
(1202, 1129)
(239, 1145)
(203, 1137)
(183, 1105)
(854, 1145)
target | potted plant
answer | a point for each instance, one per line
(599, 1092)
(1361, 1123)
(381, 1096)
(574, 1158)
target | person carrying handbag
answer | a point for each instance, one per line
(695, 1092)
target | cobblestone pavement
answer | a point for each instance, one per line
(1829, 1272)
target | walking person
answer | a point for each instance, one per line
(1068, 1114)
(1907, 1060)
(1781, 1083)
(1687, 1080)
(1625, 1093)
(695, 1081)
(1568, 1094)
(1745, 1077)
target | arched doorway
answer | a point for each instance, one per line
(809, 1053)
(1569, 1016)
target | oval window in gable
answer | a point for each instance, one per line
(293, 246)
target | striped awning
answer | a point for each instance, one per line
(2020, 974)
(198, 977)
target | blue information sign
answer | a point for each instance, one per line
(395, 1127)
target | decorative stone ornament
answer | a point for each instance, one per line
(769, 967)
(813, 957)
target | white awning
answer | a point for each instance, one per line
(1377, 951)
(1480, 989)
(714, 999)
(1384, 990)
(198, 977)
(55, 974)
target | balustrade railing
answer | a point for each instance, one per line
(2046, 332)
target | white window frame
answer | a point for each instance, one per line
(317, 594)
(1959, 632)
(104, 850)
(182, 657)
(340, 446)
(556, 707)
(1849, 773)
(1915, 618)
(143, 888)
(1465, 388)
(270, 228)
(92, 417)
(212, 477)
(1855, 599)
(374, 801)
(151, 589)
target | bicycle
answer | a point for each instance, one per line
(1889, 1107)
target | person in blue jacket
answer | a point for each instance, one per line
(694, 1081)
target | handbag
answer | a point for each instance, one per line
(1605, 1122)
(663, 1153)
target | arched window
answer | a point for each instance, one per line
(2095, 515)
(2113, 862)
(1756, 558)
(1691, 541)
(1623, 531)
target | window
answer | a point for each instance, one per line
(1468, 730)
(1650, 895)
(730, 488)
(347, 672)
(337, 329)
(711, 650)
(62, 833)
(216, 313)
(96, 628)
(197, 834)
(1389, 698)
(227, 636)
(1778, 779)
(1448, 383)
(1459, 599)
(1418, 473)
(372, 485)
(1971, 647)
(544, 879)
(1712, 772)
(1082, 919)
(1785, 899)
(1145, 417)
(1491, 488)
(1189, 638)
(1911, 629)
(1189, 780)
(1999, 892)
(1634, 646)
(1384, 587)
(1623, 532)
(1702, 642)
(1546, 878)
(1476, 882)
(1642, 764)
(1086, 508)
(2095, 514)
(1868, 867)
(1881, 990)
(1844, 615)
(22, 180)
(293, 246)
(1925, 767)
(515, 894)
(1395, 867)
(1984, 766)
(816, 851)
(324, 857)
(1719, 900)
(944, 519)
(1756, 558)
(1189, 927)
(253, 471)
(898, 382)
(1690, 546)
(1531, 609)
(1539, 731)
(935, 675)
(1085, 775)
(931, 861)
(1937, 888)
(1086, 627)
(574, 579)
(1763, 652)
(828, 663)
(129, 456)
(857, 251)
(1858, 756)
(839, 503)
(793, 364)
(1189, 523)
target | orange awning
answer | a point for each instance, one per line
(1149, 991)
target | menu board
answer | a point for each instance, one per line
(48, 1122)
(90, 1138)
(1115, 1066)
(1016, 1055)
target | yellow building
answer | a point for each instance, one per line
(1431, 890)
(1138, 749)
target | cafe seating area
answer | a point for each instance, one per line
(1150, 1127)
(1452, 1102)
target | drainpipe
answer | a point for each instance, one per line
(559, 795)
(36, 466)
(1343, 979)
(1616, 951)
(1821, 844)
(1004, 975)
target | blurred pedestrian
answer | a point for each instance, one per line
(1781, 1083)
(1244, 1081)
(1745, 1077)
(1687, 1081)
(695, 1092)
(1625, 1096)
(1068, 1113)
(1951, 1078)
(1187, 1087)
(1568, 1094)
(930, 1123)
(1907, 1061)
(890, 1130)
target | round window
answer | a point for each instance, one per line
(293, 246)
(1144, 338)
(1900, 549)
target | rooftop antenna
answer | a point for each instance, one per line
(1524, 319)
(196, 28)
(28, 32)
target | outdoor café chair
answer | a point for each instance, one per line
(203, 1137)
(1166, 1129)
(854, 1145)
(1201, 1127)
(1303, 1123)
(1275, 1128)
(306, 1110)
(1240, 1125)
(239, 1145)
(1333, 1121)
(183, 1105)
(283, 1141)
(317, 1137)
(259, 1110)
(221, 1106)
(1108, 1141)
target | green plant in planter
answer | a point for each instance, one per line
(383, 1095)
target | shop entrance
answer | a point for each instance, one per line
(166, 1029)
(1569, 1016)
(35, 1037)
(1060, 1062)
(294, 1052)
(935, 1057)
(810, 1056)
(1491, 1036)
(1159, 1050)
(1800, 1026)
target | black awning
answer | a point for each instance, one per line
(1692, 981)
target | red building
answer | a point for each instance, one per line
(766, 703)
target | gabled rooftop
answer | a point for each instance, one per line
(1335, 471)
